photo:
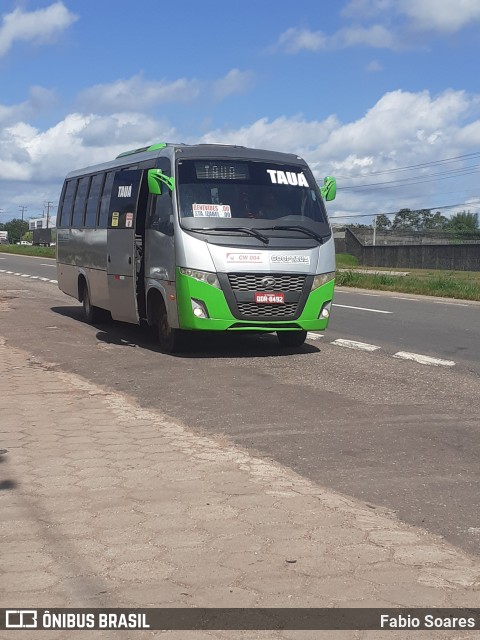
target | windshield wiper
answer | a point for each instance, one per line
(226, 230)
(296, 227)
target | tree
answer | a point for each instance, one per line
(463, 221)
(383, 222)
(407, 220)
(431, 221)
(16, 228)
(360, 226)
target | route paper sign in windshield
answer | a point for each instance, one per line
(211, 210)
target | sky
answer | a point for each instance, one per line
(382, 94)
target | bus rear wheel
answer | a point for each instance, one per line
(169, 338)
(291, 338)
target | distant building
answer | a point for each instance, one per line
(45, 222)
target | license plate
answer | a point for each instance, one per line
(262, 297)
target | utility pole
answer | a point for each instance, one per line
(48, 204)
(374, 229)
(22, 209)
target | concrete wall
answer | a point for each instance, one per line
(455, 257)
(340, 245)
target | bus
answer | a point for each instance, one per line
(204, 237)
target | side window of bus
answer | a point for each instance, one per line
(93, 201)
(161, 217)
(80, 202)
(67, 203)
(105, 203)
(123, 202)
(161, 208)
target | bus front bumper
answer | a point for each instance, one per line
(203, 307)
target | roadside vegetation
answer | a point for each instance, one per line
(25, 250)
(463, 285)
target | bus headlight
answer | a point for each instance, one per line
(201, 276)
(322, 278)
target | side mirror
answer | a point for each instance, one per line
(156, 178)
(329, 189)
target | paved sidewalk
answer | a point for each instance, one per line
(105, 504)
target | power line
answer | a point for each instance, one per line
(432, 163)
(394, 213)
(402, 182)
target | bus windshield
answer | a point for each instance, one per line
(210, 190)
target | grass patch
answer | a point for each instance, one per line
(23, 250)
(346, 260)
(463, 285)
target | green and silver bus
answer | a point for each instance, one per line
(201, 237)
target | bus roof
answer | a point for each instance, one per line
(143, 154)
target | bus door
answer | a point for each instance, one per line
(122, 256)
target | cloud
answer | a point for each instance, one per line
(136, 93)
(78, 140)
(395, 25)
(377, 36)
(38, 27)
(282, 134)
(401, 129)
(294, 40)
(38, 100)
(374, 66)
(443, 16)
(234, 82)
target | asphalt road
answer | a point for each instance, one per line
(443, 329)
(446, 329)
(399, 435)
(28, 265)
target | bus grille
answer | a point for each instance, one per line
(253, 282)
(252, 310)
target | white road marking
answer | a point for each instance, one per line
(43, 264)
(352, 344)
(455, 304)
(314, 336)
(417, 357)
(27, 275)
(346, 306)
(358, 293)
(404, 298)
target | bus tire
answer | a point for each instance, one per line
(91, 313)
(291, 338)
(169, 338)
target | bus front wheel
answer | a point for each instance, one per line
(291, 338)
(92, 314)
(168, 338)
